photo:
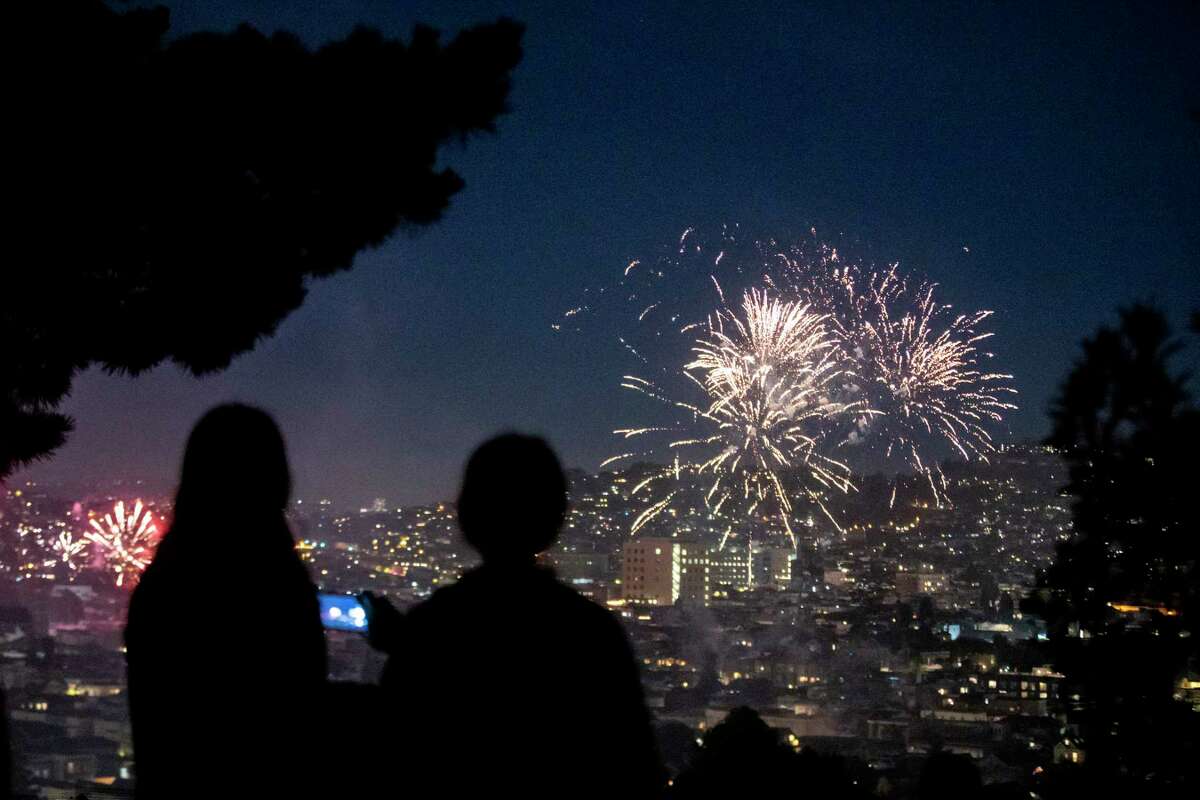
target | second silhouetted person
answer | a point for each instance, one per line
(508, 680)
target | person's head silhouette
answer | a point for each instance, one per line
(235, 462)
(513, 499)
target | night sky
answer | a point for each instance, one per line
(1055, 144)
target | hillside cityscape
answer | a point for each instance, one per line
(880, 639)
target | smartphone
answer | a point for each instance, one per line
(342, 612)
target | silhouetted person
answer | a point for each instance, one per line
(509, 683)
(226, 653)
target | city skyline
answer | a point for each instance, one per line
(163, 486)
(820, 643)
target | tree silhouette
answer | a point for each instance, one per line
(741, 754)
(744, 757)
(175, 198)
(1120, 599)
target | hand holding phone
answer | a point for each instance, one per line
(384, 622)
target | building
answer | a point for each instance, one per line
(773, 566)
(695, 573)
(731, 567)
(651, 572)
(910, 584)
(834, 577)
(663, 572)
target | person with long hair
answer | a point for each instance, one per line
(225, 650)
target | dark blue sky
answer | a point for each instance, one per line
(1051, 140)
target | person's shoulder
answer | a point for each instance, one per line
(151, 606)
(592, 631)
(444, 601)
(568, 593)
(148, 587)
(587, 610)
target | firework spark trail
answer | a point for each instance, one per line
(127, 541)
(647, 310)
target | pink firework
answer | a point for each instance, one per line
(126, 540)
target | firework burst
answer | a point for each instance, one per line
(126, 540)
(69, 551)
(925, 381)
(820, 362)
(914, 364)
(764, 376)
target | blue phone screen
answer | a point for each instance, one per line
(342, 612)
